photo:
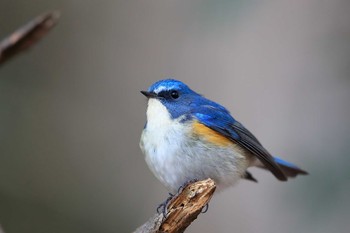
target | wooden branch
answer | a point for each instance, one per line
(27, 35)
(182, 210)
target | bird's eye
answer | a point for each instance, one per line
(174, 94)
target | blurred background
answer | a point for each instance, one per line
(71, 112)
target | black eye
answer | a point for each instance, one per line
(174, 94)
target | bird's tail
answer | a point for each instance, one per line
(289, 169)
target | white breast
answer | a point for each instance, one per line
(161, 141)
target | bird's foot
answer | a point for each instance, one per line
(162, 208)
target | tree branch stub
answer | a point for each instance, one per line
(182, 210)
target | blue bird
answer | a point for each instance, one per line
(188, 137)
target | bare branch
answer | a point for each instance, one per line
(27, 35)
(182, 210)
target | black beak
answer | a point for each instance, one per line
(149, 94)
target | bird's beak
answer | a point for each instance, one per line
(149, 94)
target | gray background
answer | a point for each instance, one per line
(71, 112)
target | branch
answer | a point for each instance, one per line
(183, 209)
(27, 35)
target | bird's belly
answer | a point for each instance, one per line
(176, 158)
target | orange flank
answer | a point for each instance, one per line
(210, 135)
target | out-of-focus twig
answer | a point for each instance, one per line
(27, 35)
(182, 210)
(1, 230)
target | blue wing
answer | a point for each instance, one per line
(219, 119)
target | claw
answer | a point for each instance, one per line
(162, 208)
(205, 209)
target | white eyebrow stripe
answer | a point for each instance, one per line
(162, 88)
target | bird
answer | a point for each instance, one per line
(189, 137)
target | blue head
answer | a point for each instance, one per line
(178, 98)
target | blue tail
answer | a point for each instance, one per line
(289, 169)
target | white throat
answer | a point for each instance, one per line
(158, 116)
